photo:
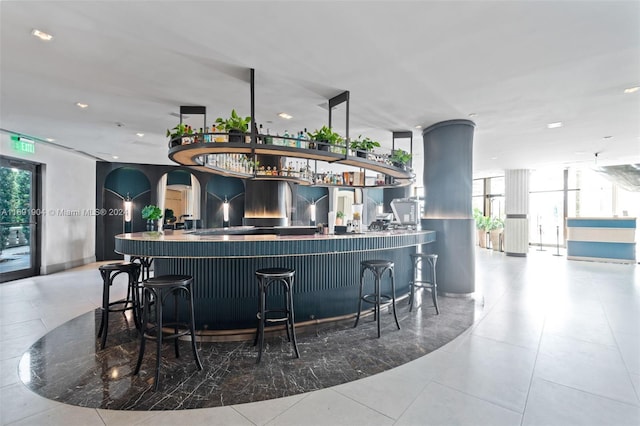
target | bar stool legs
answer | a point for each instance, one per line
(155, 292)
(131, 302)
(266, 277)
(378, 268)
(431, 284)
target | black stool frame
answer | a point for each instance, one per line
(432, 284)
(378, 268)
(155, 291)
(130, 303)
(266, 277)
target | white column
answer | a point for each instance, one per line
(516, 225)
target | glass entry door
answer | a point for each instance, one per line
(19, 215)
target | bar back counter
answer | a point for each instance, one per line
(225, 289)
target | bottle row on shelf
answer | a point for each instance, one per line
(292, 169)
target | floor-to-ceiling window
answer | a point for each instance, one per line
(19, 215)
(546, 207)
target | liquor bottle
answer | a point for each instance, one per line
(285, 137)
(260, 138)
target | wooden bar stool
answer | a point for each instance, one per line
(431, 284)
(155, 292)
(266, 277)
(129, 303)
(378, 268)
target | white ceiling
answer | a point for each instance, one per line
(517, 65)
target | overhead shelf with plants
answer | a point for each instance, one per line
(234, 146)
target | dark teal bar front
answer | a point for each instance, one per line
(327, 270)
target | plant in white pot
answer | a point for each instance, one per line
(495, 227)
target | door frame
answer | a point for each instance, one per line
(35, 219)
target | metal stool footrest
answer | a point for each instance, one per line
(267, 277)
(157, 290)
(131, 301)
(378, 268)
(431, 284)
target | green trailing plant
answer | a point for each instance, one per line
(339, 215)
(325, 134)
(151, 212)
(400, 157)
(179, 130)
(234, 122)
(365, 144)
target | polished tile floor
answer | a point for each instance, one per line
(556, 342)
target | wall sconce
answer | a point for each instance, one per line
(127, 208)
(225, 213)
(312, 213)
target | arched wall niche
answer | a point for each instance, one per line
(121, 184)
(221, 188)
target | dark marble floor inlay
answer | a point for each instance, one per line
(66, 365)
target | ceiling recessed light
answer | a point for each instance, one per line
(81, 105)
(285, 116)
(50, 139)
(554, 125)
(473, 114)
(418, 127)
(632, 89)
(607, 137)
(140, 135)
(115, 157)
(41, 35)
(494, 158)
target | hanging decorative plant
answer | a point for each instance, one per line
(326, 137)
(234, 125)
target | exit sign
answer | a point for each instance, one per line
(22, 144)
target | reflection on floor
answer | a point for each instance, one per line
(556, 343)
(65, 365)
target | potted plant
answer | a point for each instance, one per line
(325, 136)
(152, 214)
(339, 217)
(362, 146)
(495, 226)
(482, 223)
(400, 158)
(234, 125)
(179, 131)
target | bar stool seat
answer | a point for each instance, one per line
(155, 292)
(130, 303)
(378, 268)
(430, 283)
(266, 277)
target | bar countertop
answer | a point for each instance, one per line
(212, 243)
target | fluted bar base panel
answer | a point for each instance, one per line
(326, 286)
(455, 239)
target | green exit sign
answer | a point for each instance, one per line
(22, 144)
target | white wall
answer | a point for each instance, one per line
(69, 182)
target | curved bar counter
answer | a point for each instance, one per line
(225, 289)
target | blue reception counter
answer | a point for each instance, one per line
(602, 239)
